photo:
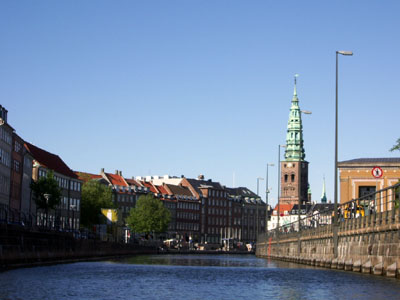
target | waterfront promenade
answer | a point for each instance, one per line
(364, 239)
(21, 247)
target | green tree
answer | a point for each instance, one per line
(149, 215)
(47, 193)
(396, 146)
(95, 196)
(397, 197)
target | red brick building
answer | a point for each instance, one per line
(17, 162)
(214, 218)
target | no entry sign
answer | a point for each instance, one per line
(377, 172)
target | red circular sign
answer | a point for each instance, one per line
(377, 172)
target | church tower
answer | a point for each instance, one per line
(294, 169)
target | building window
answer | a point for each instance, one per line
(286, 177)
(17, 146)
(5, 136)
(16, 166)
(5, 157)
(366, 191)
(293, 177)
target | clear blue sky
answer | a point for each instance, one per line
(190, 87)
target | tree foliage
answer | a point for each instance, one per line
(46, 185)
(95, 196)
(149, 215)
(396, 146)
(397, 197)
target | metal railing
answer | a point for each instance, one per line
(52, 223)
(377, 208)
(9, 215)
(32, 221)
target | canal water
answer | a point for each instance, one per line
(191, 277)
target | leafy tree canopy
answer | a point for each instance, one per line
(396, 146)
(95, 196)
(149, 215)
(46, 185)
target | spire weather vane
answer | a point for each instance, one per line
(295, 78)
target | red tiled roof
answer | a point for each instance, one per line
(133, 182)
(50, 160)
(150, 186)
(87, 176)
(179, 190)
(284, 207)
(116, 179)
(162, 190)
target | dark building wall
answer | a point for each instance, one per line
(27, 205)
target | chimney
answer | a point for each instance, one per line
(3, 114)
(102, 171)
(200, 177)
(116, 172)
(120, 173)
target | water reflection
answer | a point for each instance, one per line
(191, 277)
(209, 261)
(201, 260)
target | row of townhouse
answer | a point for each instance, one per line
(311, 215)
(20, 163)
(201, 210)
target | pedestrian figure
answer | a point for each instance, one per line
(340, 213)
(371, 207)
(353, 209)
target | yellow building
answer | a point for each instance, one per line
(363, 176)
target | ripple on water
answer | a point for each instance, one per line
(191, 277)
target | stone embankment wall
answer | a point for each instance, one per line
(369, 244)
(20, 247)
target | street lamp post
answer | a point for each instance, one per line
(279, 183)
(73, 207)
(47, 197)
(266, 198)
(243, 216)
(335, 207)
(257, 217)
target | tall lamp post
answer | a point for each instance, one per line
(266, 198)
(73, 207)
(258, 181)
(279, 183)
(47, 197)
(335, 207)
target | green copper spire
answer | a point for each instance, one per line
(294, 137)
(323, 197)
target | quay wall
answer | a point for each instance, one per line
(369, 244)
(20, 247)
